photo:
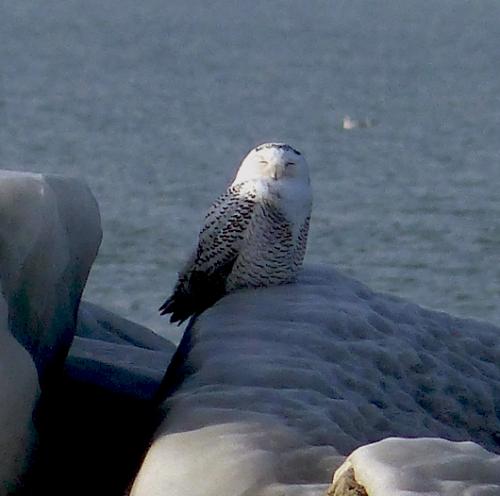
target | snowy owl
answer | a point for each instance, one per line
(254, 235)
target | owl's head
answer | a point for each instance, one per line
(273, 161)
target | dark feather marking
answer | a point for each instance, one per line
(281, 146)
(201, 292)
(201, 286)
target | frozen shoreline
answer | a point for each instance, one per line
(269, 390)
(286, 381)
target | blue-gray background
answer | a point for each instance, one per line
(154, 103)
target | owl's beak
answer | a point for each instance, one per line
(278, 171)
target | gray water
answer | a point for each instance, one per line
(154, 103)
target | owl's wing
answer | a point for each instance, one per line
(202, 282)
(301, 245)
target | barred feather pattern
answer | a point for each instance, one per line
(224, 229)
(246, 241)
(270, 254)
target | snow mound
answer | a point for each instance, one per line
(99, 324)
(425, 466)
(116, 354)
(102, 409)
(49, 236)
(271, 388)
(18, 394)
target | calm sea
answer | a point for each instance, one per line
(155, 102)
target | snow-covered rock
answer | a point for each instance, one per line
(49, 236)
(417, 467)
(270, 389)
(99, 421)
(117, 355)
(19, 391)
(99, 324)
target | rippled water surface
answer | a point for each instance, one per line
(154, 103)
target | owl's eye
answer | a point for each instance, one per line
(289, 163)
(263, 162)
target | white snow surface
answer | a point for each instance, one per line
(19, 391)
(49, 236)
(425, 466)
(98, 324)
(280, 384)
(116, 354)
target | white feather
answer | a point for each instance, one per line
(254, 235)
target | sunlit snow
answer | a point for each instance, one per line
(425, 466)
(280, 384)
